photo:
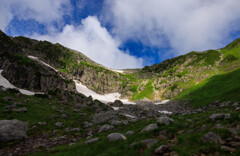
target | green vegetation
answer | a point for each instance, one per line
(219, 87)
(133, 88)
(183, 73)
(204, 58)
(185, 134)
(146, 92)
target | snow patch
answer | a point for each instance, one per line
(115, 108)
(116, 70)
(36, 58)
(162, 102)
(130, 116)
(103, 98)
(6, 84)
(33, 57)
(165, 112)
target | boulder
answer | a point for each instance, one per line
(117, 103)
(162, 149)
(105, 128)
(72, 129)
(12, 130)
(149, 128)
(91, 140)
(59, 124)
(129, 133)
(116, 137)
(220, 116)
(103, 117)
(212, 137)
(164, 120)
(23, 109)
(87, 124)
(224, 104)
(119, 123)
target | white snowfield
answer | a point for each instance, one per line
(6, 84)
(103, 98)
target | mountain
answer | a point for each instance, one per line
(45, 107)
(157, 82)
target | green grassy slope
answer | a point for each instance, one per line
(218, 87)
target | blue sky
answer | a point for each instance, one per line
(125, 33)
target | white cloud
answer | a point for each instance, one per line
(43, 11)
(95, 42)
(185, 25)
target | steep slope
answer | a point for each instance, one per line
(221, 87)
(26, 73)
(74, 65)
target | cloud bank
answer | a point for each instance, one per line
(94, 41)
(178, 26)
(184, 25)
(43, 11)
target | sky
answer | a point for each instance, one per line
(125, 33)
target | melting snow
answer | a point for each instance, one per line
(115, 108)
(116, 70)
(162, 102)
(165, 112)
(103, 98)
(6, 84)
(130, 116)
(36, 58)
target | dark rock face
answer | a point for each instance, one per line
(116, 103)
(33, 77)
(27, 73)
(12, 130)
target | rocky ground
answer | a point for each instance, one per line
(41, 123)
